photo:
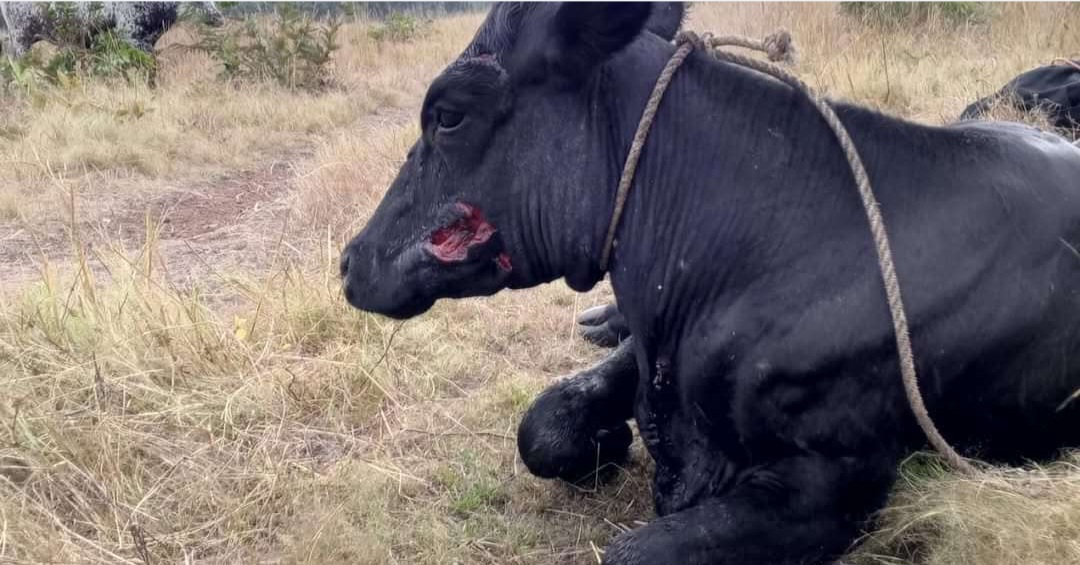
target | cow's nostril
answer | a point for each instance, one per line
(344, 264)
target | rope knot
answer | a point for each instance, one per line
(779, 46)
(690, 37)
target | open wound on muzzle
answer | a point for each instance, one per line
(451, 243)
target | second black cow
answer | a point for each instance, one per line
(1051, 90)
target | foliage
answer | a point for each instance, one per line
(195, 13)
(911, 14)
(19, 75)
(84, 47)
(111, 56)
(357, 10)
(292, 51)
(382, 10)
(399, 28)
(107, 56)
(69, 27)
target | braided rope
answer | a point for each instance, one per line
(642, 133)
(778, 46)
(1068, 62)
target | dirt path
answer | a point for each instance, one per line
(207, 227)
(204, 226)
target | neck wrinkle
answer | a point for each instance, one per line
(751, 166)
(635, 71)
(678, 164)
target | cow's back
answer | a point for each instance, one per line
(985, 229)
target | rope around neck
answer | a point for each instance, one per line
(778, 46)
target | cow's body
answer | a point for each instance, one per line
(762, 371)
(797, 354)
(138, 23)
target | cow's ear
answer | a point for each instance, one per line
(587, 33)
(666, 19)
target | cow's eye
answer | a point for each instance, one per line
(449, 119)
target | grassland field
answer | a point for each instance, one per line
(181, 380)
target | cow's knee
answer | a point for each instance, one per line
(578, 427)
(556, 442)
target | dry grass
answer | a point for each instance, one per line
(191, 126)
(1006, 516)
(928, 74)
(260, 420)
(1004, 110)
(341, 190)
(134, 410)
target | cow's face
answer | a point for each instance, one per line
(495, 191)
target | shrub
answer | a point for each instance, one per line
(111, 56)
(69, 28)
(911, 14)
(19, 75)
(398, 28)
(82, 49)
(293, 50)
(108, 56)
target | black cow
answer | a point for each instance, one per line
(762, 367)
(1053, 90)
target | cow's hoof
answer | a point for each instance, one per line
(555, 441)
(603, 326)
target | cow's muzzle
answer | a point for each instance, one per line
(463, 256)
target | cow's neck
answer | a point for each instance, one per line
(567, 240)
(713, 193)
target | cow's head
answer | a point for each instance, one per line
(500, 191)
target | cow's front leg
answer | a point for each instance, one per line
(802, 510)
(578, 425)
(604, 325)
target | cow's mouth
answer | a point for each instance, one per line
(452, 242)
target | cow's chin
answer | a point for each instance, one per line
(397, 301)
(406, 310)
(414, 281)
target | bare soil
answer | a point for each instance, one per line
(203, 227)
